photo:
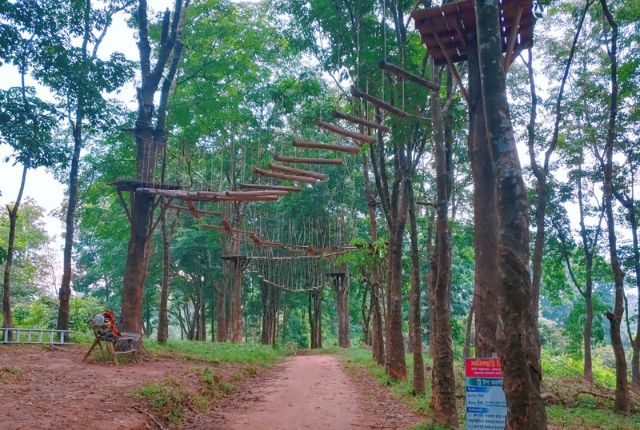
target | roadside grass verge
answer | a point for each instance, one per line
(571, 403)
(217, 353)
(218, 368)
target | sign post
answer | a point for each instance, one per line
(485, 401)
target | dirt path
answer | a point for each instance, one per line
(314, 392)
(51, 388)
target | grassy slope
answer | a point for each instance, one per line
(573, 408)
(200, 389)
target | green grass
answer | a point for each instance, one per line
(577, 409)
(589, 418)
(257, 355)
(170, 398)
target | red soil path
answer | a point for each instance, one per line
(314, 392)
(51, 388)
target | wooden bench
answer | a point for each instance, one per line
(35, 335)
(125, 344)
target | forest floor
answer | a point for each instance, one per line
(200, 387)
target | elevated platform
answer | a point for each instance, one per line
(444, 29)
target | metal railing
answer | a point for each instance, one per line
(34, 335)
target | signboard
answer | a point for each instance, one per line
(485, 401)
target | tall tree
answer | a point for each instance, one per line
(518, 350)
(27, 124)
(151, 136)
(622, 400)
(79, 77)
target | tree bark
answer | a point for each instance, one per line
(517, 327)
(375, 277)
(485, 214)
(163, 314)
(270, 302)
(221, 313)
(443, 400)
(150, 139)
(416, 339)
(340, 286)
(315, 317)
(13, 218)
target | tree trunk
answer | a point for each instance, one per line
(517, 332)
(396, 365)
(270, 301)
(443, 401)
(315, 317)
(163, 315)
(221, 313)
(635, 359)
(416, 339)
(150, 139)
(485, 239)
(366, 310)
(622, 401)
(341, 288)
(377, 338)
(64, 293)
(13, 218)
(466, 352)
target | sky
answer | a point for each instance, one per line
(41, 185)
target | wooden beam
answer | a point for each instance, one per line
(508, 57)
(212, 227)
(303, 160)
(271, 187)
(270, 198)
(395, 70)
(299, 172)
(283, 176)
(360, 121)
(182, 208)
(379, 103)
(258, 193)
(452, 67)
(316, 145)
(358, 137)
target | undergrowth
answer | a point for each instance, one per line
(572, 403)
(257, 355)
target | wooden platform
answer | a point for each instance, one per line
(443, 28)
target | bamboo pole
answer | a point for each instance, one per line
(293, 188)
(395, 70)
(283, 176)
(379, 103)
(303, 160)
(358, 137)
(299, 172)
(316, 145)
(360, 121)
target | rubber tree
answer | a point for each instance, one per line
(622, 400)
(79, 77)
(517, 335)
(151, 137)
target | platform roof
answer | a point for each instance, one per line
(444, 28)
